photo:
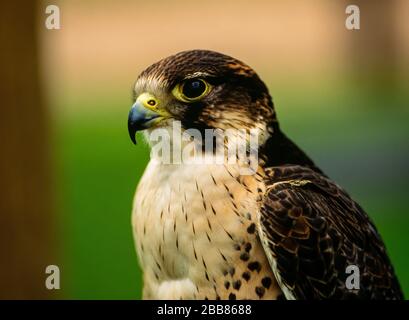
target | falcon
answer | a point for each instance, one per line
(208, 231)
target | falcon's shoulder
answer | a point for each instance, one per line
(312, 231)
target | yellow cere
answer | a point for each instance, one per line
(150, 102)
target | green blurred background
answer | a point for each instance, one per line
(341, 95)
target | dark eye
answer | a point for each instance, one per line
(193, 88)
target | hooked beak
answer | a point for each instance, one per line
(141, 118)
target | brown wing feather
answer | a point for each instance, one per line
(313, 230)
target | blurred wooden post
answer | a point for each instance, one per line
(26, 223)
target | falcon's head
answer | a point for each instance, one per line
(202, 89)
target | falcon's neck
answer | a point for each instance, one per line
(280, 150)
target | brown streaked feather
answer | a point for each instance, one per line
(313, 230)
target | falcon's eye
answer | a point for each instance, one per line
(191, 90)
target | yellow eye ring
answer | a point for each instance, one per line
(191, 90)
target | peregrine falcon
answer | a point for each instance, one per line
(207, 231)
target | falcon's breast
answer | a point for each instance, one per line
(195, 232)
